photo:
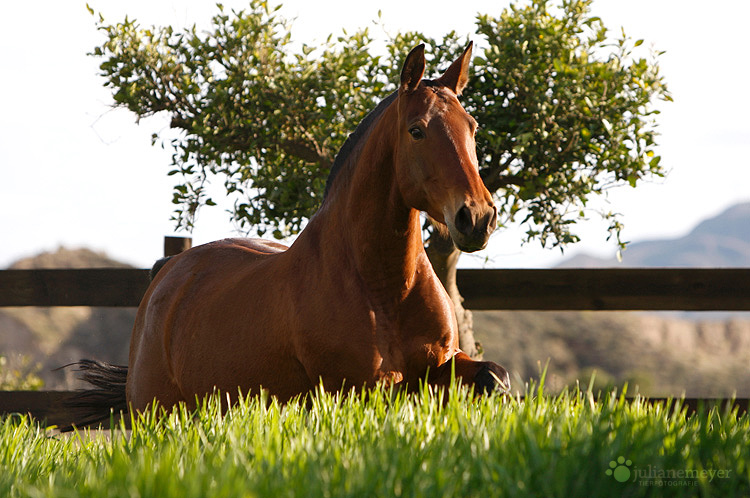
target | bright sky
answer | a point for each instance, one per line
(76, 173)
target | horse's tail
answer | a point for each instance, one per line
(158, 266)
(107, 398)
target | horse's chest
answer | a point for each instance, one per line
(412, 340)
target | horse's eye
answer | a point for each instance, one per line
(416, 133)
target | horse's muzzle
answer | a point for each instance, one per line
(472, 226)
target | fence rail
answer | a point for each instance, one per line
(652, 289)
(122, 287)
(560, 289)
(689, 289)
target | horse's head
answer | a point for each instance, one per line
(436, 160)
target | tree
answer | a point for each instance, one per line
(565, 113)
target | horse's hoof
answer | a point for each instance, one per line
(490, 378)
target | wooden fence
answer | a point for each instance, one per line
(689, 289)
(563, 289)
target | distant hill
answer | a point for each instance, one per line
(657, 355)
(68, 258)
(719, 242)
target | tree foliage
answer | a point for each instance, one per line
(564, 111)
(19, 374)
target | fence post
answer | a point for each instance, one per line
(175, 245)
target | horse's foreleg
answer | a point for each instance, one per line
(485, 376)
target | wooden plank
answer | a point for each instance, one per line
(698, 405)
(121, 287)
(690, 289)
(49, 406)
(176, 245)
(45, 406)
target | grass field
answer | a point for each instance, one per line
(387, 444)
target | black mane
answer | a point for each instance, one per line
(361, 131)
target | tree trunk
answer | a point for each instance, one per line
(444, 258)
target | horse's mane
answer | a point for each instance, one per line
(355, 138)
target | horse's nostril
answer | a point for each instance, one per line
(489, 222)
(464, 221)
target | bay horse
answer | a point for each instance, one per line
(354, 300)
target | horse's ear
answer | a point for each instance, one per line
(457, 75)
(413, 70)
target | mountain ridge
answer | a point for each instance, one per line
(722, 241)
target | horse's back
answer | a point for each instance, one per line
(215, 255)
(164, 344)
(215, 258)
(242, 246)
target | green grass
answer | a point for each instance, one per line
(387, 444)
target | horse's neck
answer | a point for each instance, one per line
(366, 222)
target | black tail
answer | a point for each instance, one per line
(158, 266)
(91, 406)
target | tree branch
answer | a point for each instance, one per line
(492, 175)
(294, 148)
(499, 182)
(306, 153)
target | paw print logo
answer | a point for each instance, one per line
(619, 469)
